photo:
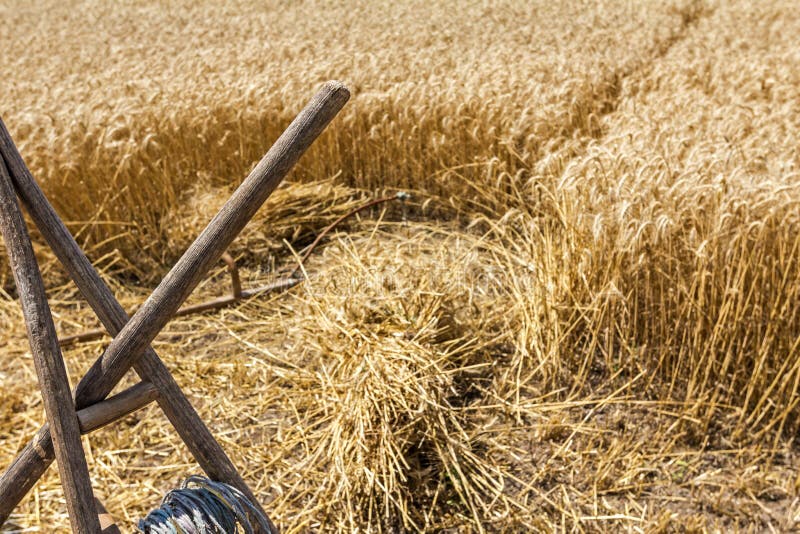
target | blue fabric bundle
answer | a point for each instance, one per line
(203, 506)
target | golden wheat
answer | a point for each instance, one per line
(586, 319)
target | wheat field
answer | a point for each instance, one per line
(586, 318)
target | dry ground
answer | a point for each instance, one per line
(586, 318)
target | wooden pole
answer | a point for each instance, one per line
(116, 407)
(15, 483)
(38, 454)
(50, 369)
(201, 255)
(107, 522)
(34, 459)
(233, 270)
(214, 304)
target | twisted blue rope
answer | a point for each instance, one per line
(203, 506)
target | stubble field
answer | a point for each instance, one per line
(585, 318)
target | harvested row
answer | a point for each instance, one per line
(150, 100)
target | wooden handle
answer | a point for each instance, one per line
(107, 522)
(38, 454)
(47, 359)
(159, 308)
(32, 463)
(115, 408)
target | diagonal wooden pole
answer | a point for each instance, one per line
(47, 359)
(201, 255)
(121, 354)
(38, 454)
(107, 522)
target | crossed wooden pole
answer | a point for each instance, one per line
(59, 439)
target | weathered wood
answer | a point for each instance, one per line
(139, 332)
(167, 298)
(50, 369)
(214, 304)
(37, 455)
(236, 282)
(116, 407)
(107, 523)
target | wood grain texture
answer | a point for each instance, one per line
(135, 337)
(38, 454)
(283, 284)
(107, 523)
(50, 369)
(116, 407)
(201, 255)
